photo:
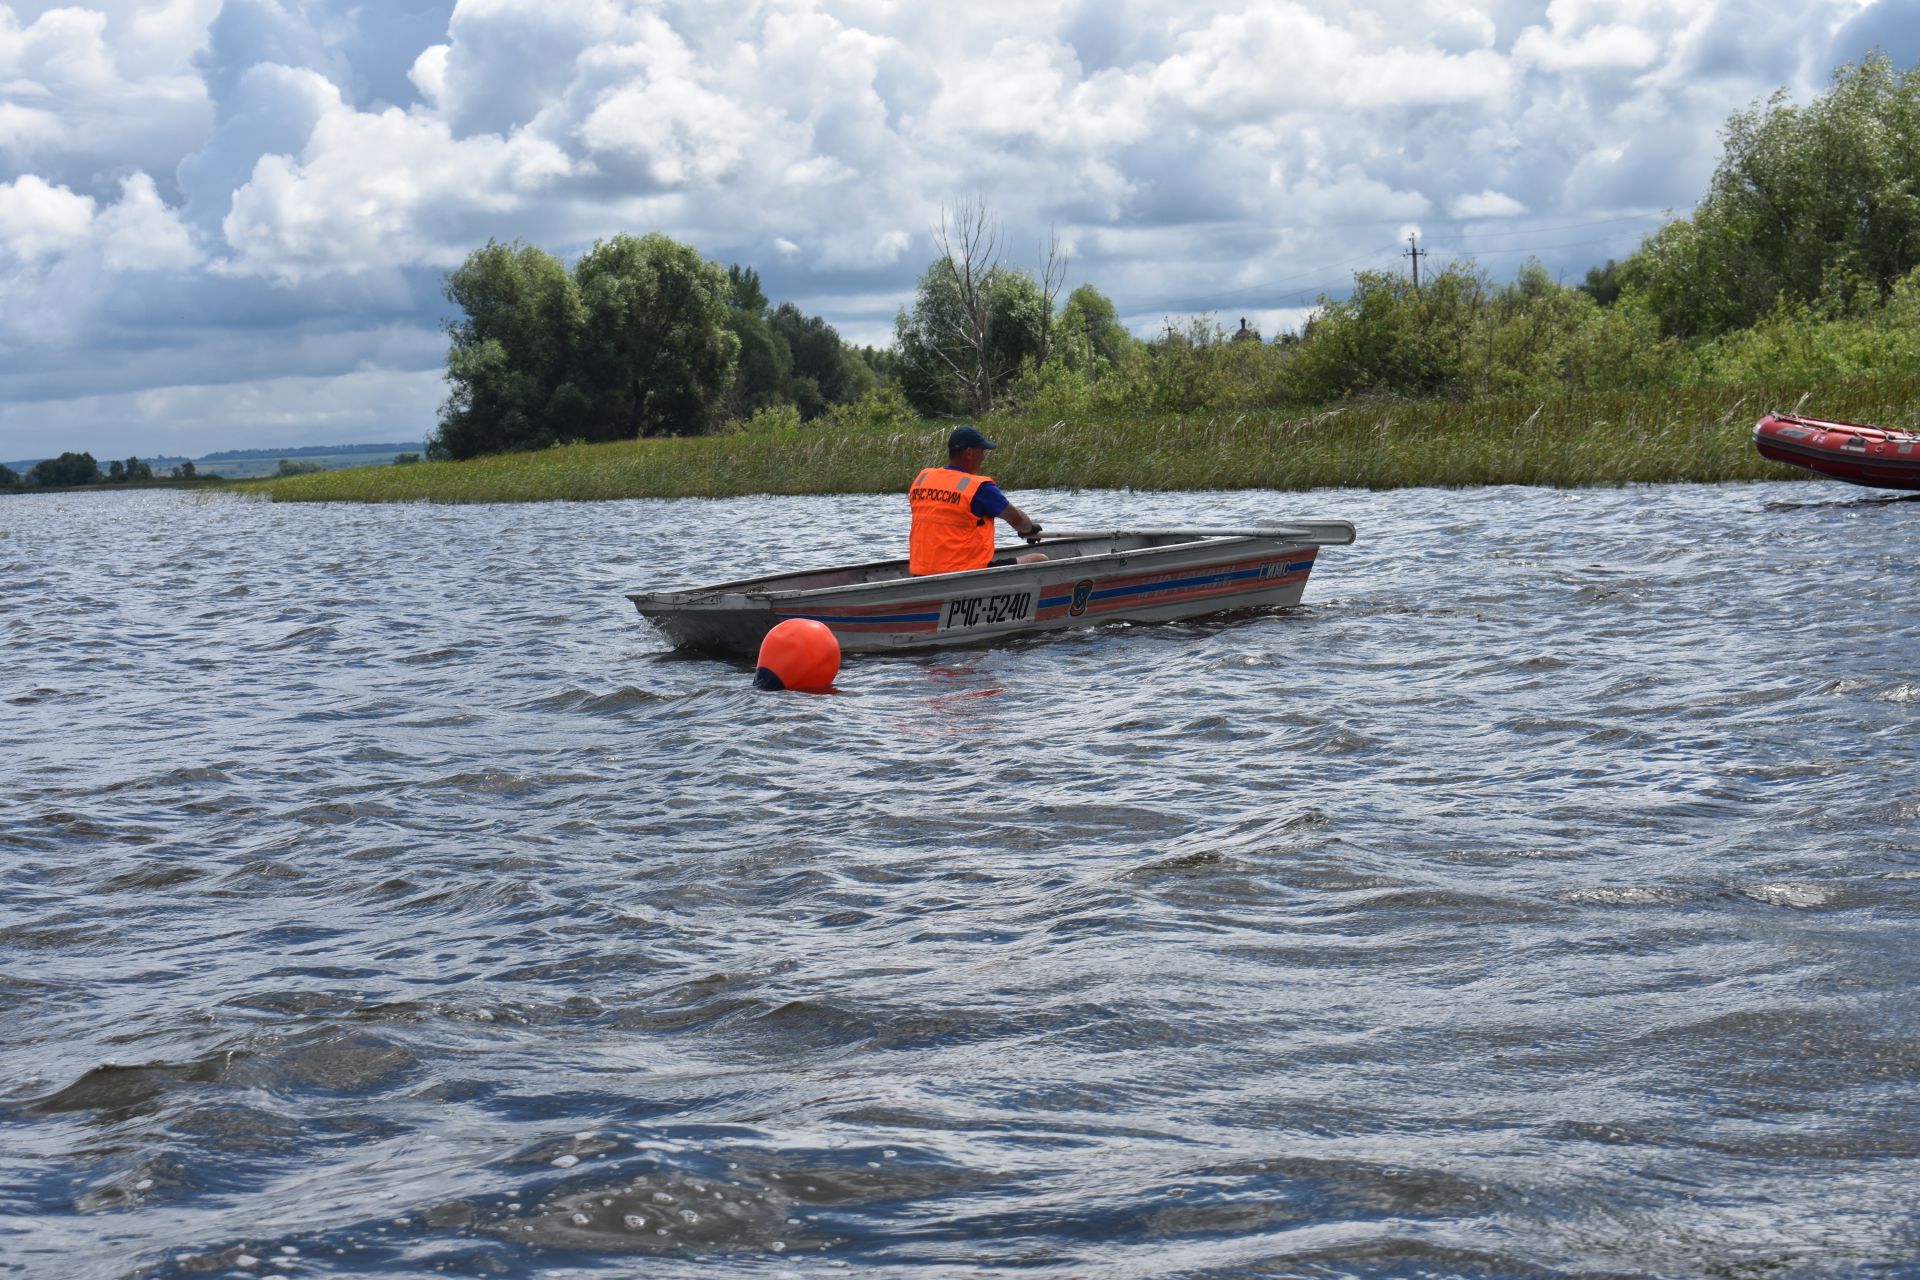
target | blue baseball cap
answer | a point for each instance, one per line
(968, 438)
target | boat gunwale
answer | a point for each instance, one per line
(745, 589)
(1833, 424)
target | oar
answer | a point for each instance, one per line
(1320, 533)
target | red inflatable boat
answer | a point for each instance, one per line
(1847, 451)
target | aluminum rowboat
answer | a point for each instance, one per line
(1139, 575)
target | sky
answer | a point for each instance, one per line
(227, 223)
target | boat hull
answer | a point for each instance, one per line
(1137, 577)
(1858, 454)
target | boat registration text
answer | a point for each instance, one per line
(987, 611)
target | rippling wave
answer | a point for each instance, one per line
(379, 898)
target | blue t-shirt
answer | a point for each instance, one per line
(988, 501)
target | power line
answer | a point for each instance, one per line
(1573, 226)
(1282, 286)
(1538, 248)
(1455, 222)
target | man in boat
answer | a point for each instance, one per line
(954, 508)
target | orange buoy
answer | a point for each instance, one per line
(798, 654)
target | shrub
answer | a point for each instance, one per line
(1055, 391)
(880, 408)
(774, 419)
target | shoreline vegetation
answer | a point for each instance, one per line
(1694, 435)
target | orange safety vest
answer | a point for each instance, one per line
(946, 536)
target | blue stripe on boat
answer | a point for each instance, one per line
(1202, 580)
(866, 617)
(1054, 602)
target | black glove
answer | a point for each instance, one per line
(1033, 532)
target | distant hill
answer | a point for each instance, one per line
(311, 451)
(244, 464)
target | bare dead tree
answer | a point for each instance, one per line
(1053, 275)
(969, 238)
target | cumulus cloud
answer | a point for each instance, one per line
(421, 200)
(140, 233)
(1485, 204)
(1227, 68)
(41, 222)
(85, 91)
(662, 126)
(38, 219)
(272, 109)
(510, 60)
(429, 73)
(1609, 46)
(64, 256)
(290, 167)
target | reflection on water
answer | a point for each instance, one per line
(1840, 498)
(379, 898)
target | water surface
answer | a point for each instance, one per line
(377, 897)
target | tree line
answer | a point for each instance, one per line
(77, 470)
(640, 337)
(71, 470)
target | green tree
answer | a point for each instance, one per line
(786, 356)
(184, 470)
(1089, 336)
(1198, 365)
(1523, 335)
(9, 478)
(928, 358)
(1389, 338)
(974, 322)
(511, 367)
(1605, 284)
(1799, 343)
(882, 362)
(116, 472)
(744, 292)
(826, 371)
(138, 470)
(1620, 348)
(1815, 203)
(764, 365)
(962, 343)
(656, 352)
(67, 469)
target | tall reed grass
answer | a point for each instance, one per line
(1690, 434)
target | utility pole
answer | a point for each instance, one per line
(1415, 252)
